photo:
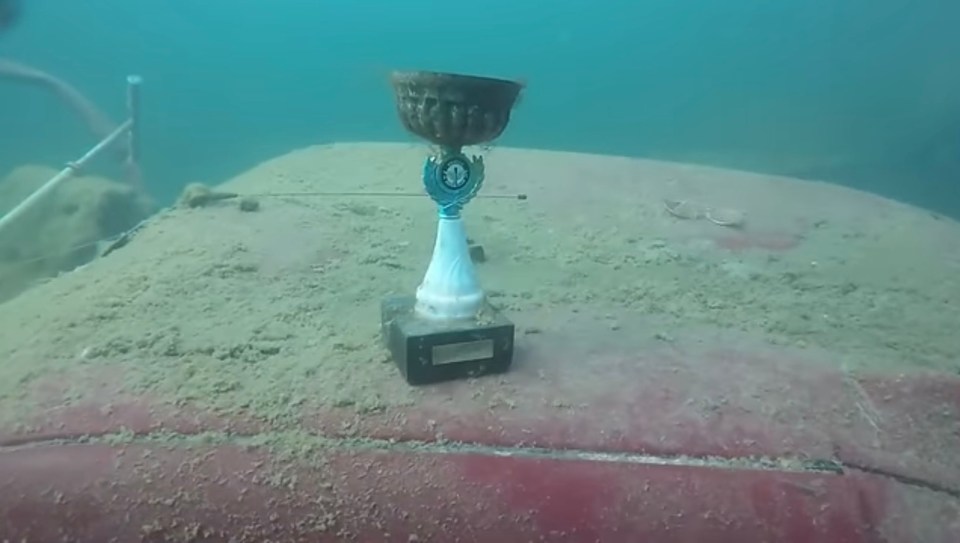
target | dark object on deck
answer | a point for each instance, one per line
(477, 254)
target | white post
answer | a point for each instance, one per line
(450, 289)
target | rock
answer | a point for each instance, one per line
(249, 204)
(477, 254)
(61, 231)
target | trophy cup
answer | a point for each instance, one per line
(449, 330)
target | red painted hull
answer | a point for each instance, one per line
(576, 444)
(99, 493)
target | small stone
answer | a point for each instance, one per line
(477, 254)
(249, 204)
(663, 336)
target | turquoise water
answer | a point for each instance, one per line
(864, 93)
(695, 355)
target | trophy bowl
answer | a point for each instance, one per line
(454, 110)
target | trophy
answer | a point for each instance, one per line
(449, 330)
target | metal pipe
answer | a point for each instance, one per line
(69, 171)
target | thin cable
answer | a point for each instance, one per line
(116, 237)
(374, 194)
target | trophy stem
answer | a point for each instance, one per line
(450, 289)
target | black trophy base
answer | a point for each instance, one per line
(429, 351)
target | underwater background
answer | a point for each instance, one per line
(864, 93)
(696, 353)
